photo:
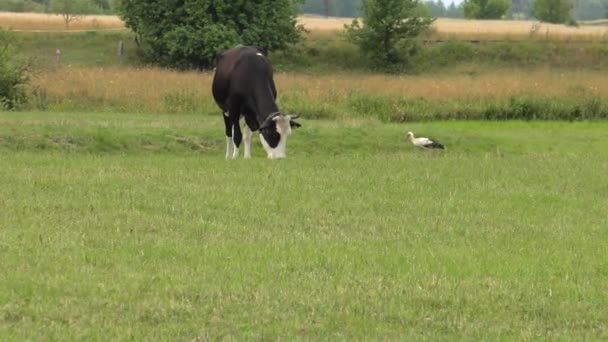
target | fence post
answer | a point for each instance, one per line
(121, 48)
(58, 57)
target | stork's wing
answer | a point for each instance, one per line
(424, 141)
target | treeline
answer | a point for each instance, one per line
(46, 6)
(582, 9)
(518, 10)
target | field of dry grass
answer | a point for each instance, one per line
(154, 90)
(442, 28)
(48, 22)
(509, 29)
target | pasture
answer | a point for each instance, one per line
(120, 218)
(117, 226)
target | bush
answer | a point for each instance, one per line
(12, 74)
(387, 32)
(552, 11)
(191, 33)
(485, 9)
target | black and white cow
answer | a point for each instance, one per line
(243, 85)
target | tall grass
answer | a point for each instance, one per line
(498, 94)
(515, 30)
(52, 22)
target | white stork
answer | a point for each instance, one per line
(424, 142)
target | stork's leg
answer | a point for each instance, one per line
(229, 142)
(247, 139)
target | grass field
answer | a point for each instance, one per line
(119, 226)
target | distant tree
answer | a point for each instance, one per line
(191, 33)
(340, 8)
(437, 8)
(326, 4)
(21, 6)
(591, 9)
(485, 9)
(387, 30)
(454, 11)
(520, 9)
(70, 10)
(102, 4)
(552, 11)
(348, 8)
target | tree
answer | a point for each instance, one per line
(190, 33)
(326, 4)
(437, 8)
(485, 9)
(520, 9)
(342, 8)
(102, 4)
(453, 11)
(13, 76)
(592, 9)
(552, 11)
(70, 10)
(387, 31)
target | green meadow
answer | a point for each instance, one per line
(134, 227)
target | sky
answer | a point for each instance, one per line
(448, 2)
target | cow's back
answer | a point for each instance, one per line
(233, 66)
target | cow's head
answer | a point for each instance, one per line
(274, 132)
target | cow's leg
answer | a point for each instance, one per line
(247, 139)
(229, 142)
(237, 137)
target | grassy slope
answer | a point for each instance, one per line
(104, 235)
(322, 52)
(92, 48)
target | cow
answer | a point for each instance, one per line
(243, 84)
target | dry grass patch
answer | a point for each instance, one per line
(444, 28)
(49, 22)
(511, 29)
(315, 23)
(161, 90)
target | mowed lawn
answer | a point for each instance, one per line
(117, 227)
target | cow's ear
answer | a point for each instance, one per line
(294, 124)
(260, 50)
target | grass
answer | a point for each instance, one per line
(91, 48)
(355, 235)
(322, 52)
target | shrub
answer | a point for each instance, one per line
(552, 11)
(191, 33)
(387, 31)
(13, 75)
(485, 9)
